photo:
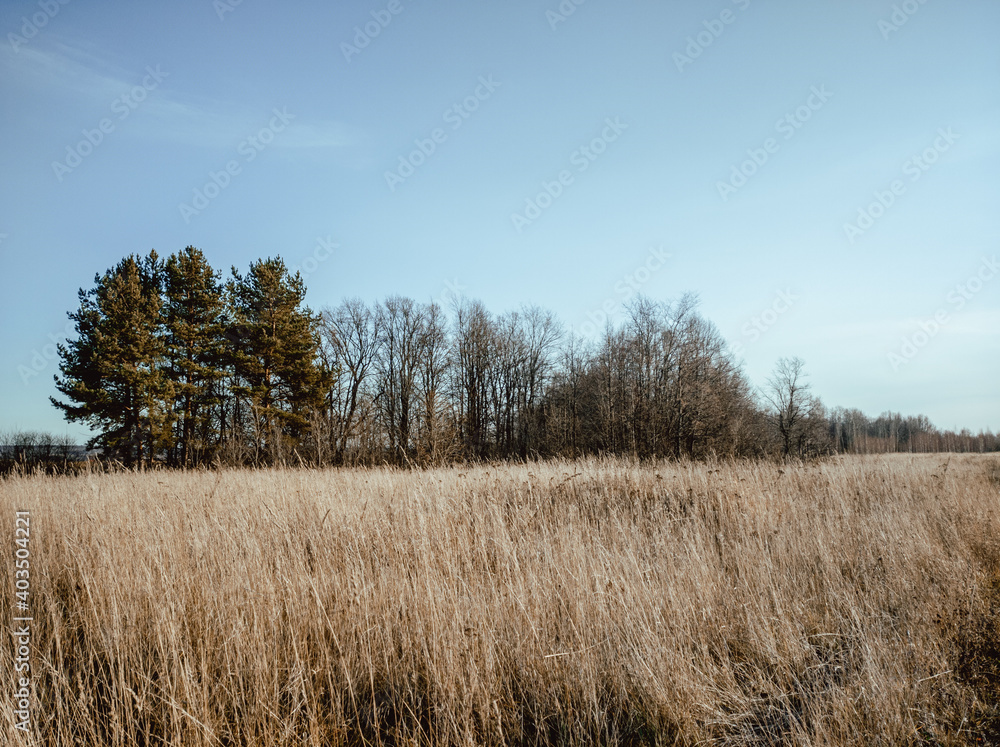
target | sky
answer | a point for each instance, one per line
(823, 175)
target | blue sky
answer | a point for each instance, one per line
(823, 175)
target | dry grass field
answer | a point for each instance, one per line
(851, 601)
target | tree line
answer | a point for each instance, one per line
(172, 364)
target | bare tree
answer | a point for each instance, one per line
(402, 328)
(787, 394)
(541, 337)
(352, 336)
(472, 351)
(565, 400)
(436, 437)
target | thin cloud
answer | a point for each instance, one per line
(84, 75)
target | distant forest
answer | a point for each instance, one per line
(174, 365)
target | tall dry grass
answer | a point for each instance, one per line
(846, 602)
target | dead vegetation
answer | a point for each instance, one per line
(851, 601)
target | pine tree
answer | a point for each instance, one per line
(193, 315)
(273, 344)
(112, 374)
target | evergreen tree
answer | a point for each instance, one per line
(112, 374)
(273, 346)
(193, 315)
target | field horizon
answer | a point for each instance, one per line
(847, 600)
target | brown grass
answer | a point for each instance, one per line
(854, 601)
